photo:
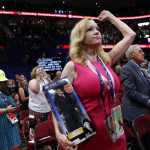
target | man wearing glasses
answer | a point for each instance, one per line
(136, 87)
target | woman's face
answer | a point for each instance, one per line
(40, 71)
(23, 81)
(92, 37)
(16, 98)
(10, 82)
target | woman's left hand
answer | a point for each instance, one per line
(64, 142)
(11, 109)
(104, 15)
(46, 76)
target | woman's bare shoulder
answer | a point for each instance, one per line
(69, 71)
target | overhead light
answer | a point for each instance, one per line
(146, 36)
(143, 24)
(3, 7)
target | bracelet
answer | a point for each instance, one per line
(6, 110)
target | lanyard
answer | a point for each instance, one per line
(102, 83)
(109, 78)
(4, 99)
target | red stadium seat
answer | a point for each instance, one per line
(44, 134)
(141, 127)
(130, 137)
(50, 116)
(25, 127)
(23, 114)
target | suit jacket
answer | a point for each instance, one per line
(64, 104)
(136, 92)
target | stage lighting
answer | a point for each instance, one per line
(3, 4)
(3, 7)
(143, 24)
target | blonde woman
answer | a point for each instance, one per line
(38, 104)
(93, 79)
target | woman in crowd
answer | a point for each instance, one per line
(24, 93)
(93, 79)
(11, 86)
(16, 97)
(38, 104)
(9, 133)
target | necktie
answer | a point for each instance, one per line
(145, 74)
(62, 95)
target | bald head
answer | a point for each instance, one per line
(58, 73)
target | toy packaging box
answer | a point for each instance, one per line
(69, 111)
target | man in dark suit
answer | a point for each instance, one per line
(68, 110)
(16, 81)
(136, 87)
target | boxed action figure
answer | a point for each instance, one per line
(68, 110)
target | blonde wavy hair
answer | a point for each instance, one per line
(77, 48)
(20, 83)
(33, 72)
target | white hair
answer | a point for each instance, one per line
(130, 50)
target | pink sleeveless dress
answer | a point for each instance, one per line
(87, 87)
